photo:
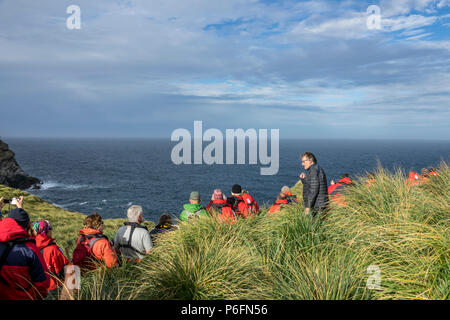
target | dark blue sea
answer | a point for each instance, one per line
(108, 175)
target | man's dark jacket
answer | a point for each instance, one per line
(315, 188)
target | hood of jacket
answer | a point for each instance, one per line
(11, 230)
(43, 241)
(86, 231)
(192, 207)
(345, 180)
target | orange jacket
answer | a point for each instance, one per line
(102, 249)
(276, 207)
(413, 178)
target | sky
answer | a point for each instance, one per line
(143, 68)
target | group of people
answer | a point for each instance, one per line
(32, 264)
(415, 178)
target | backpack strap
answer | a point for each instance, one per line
(235, 205)
(128, 245)
(194, 214)
(93, 238)
(218, 207)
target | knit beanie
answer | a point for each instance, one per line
(218, 194)
(236, 189)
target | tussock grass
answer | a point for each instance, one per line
(403, 231)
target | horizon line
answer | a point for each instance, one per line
(168, 138)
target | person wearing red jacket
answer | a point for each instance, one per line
(413, 178)
(289, 196)
(221, 207)
(53, 255)
(237, 203)
(335, 190)
(279, 203)
(23, 271)
(253, 206)
(100, 249)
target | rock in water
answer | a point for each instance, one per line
(11, 174)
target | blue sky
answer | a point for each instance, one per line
(143, 68)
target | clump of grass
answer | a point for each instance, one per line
(204, 260)
(404, 229)
(118, 283)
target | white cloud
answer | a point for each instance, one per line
(407, 22)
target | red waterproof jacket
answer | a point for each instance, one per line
(223, 209)
(253, 207)
(413, 178)
(336, 189)
(242, 207)
(54, 258)
(276, 207)
(24, 275)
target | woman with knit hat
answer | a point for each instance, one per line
(220, 206)
(53, 255)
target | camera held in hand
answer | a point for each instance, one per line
(12, 201)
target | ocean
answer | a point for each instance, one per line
(109, 175)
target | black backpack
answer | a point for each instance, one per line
(218, 207)
(234, 203)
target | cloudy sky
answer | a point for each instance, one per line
(143, 68)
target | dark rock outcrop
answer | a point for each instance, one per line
(11, 174)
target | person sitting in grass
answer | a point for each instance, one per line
(289, 196)
(164, 224)
(237, 203)
(23, 272)
(193, 209)
(219, 205)
(133, 240)
(93, 247)
(53, 255)
(279, 203)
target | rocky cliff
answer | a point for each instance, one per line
(10, 172)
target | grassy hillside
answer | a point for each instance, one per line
(400, 231)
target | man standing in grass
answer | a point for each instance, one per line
(193, 208)
(315, 194)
